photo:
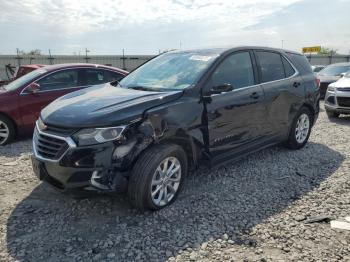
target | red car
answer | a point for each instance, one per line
(22, 100)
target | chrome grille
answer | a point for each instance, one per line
(49, 147)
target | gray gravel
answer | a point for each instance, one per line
(254, 210)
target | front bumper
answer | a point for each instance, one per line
(71, 168)
(338, 101)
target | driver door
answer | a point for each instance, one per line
(236, 119)
(51, 87)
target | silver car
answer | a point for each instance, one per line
(337, 99)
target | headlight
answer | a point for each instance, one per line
(92, 136)
(331, 88)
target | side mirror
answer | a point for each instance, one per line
(33, 88)
(221, 89)
(342, 74)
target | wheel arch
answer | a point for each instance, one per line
(187, 143)
(12, 121)
(312, 111)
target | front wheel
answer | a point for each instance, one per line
(300, 129)
(157, 177)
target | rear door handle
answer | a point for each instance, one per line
(254, 95)
(296, 84)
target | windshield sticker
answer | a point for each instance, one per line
(202, 57)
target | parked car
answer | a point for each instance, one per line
(169, 115)
(317, 68)
(331, 74)
(21, 71)
(22, 100)
(337, 100)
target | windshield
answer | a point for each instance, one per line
(334, 70)
(24, 79)
(171, 71)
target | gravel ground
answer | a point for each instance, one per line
(253, 210)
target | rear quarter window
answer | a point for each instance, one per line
(301, 63)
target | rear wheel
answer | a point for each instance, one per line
(7, 131)
(157, 177)
(300, 129)
(332, 114)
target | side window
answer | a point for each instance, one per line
(270, 65)
(59, 80)
(113, 76)
(288, 69)
(95, 77)
(301, 63)
(237, 70)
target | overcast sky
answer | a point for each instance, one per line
(144, 27)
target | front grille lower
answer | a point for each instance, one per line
(49, 147)
(343, 101)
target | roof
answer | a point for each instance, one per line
(232, 48)
(84, 65)
(34, 66)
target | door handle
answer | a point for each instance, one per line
(254, 95)
(296, 84)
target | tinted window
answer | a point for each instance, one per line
(95, 77)
(288, 69)
(59, 80)
(301, 63)
(113, 76)
(237, 70)
(271, 66)
(334, 70)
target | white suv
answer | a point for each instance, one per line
(337, 99)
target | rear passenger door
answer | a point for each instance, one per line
(283, 90)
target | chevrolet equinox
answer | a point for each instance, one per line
(183, 108)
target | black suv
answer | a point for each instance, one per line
(180, 109)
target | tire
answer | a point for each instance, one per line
(7, 131)
(145, 171)
(294, 141)
(332, 115)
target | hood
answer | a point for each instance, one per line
(103, 105)
(342, 82)
(328, 79)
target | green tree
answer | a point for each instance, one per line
(327, 51)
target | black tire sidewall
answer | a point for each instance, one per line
(11, 128)
(160, 152)
(292, 142)
(183, 164)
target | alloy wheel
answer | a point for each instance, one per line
(302, 128)
(166, 181)
(4, 132)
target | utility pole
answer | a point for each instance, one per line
(50, 57)
(18, 58)
(180, 45)
(86, 55)
(282, 43)
(123, 59)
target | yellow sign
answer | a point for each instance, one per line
(311, 49)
